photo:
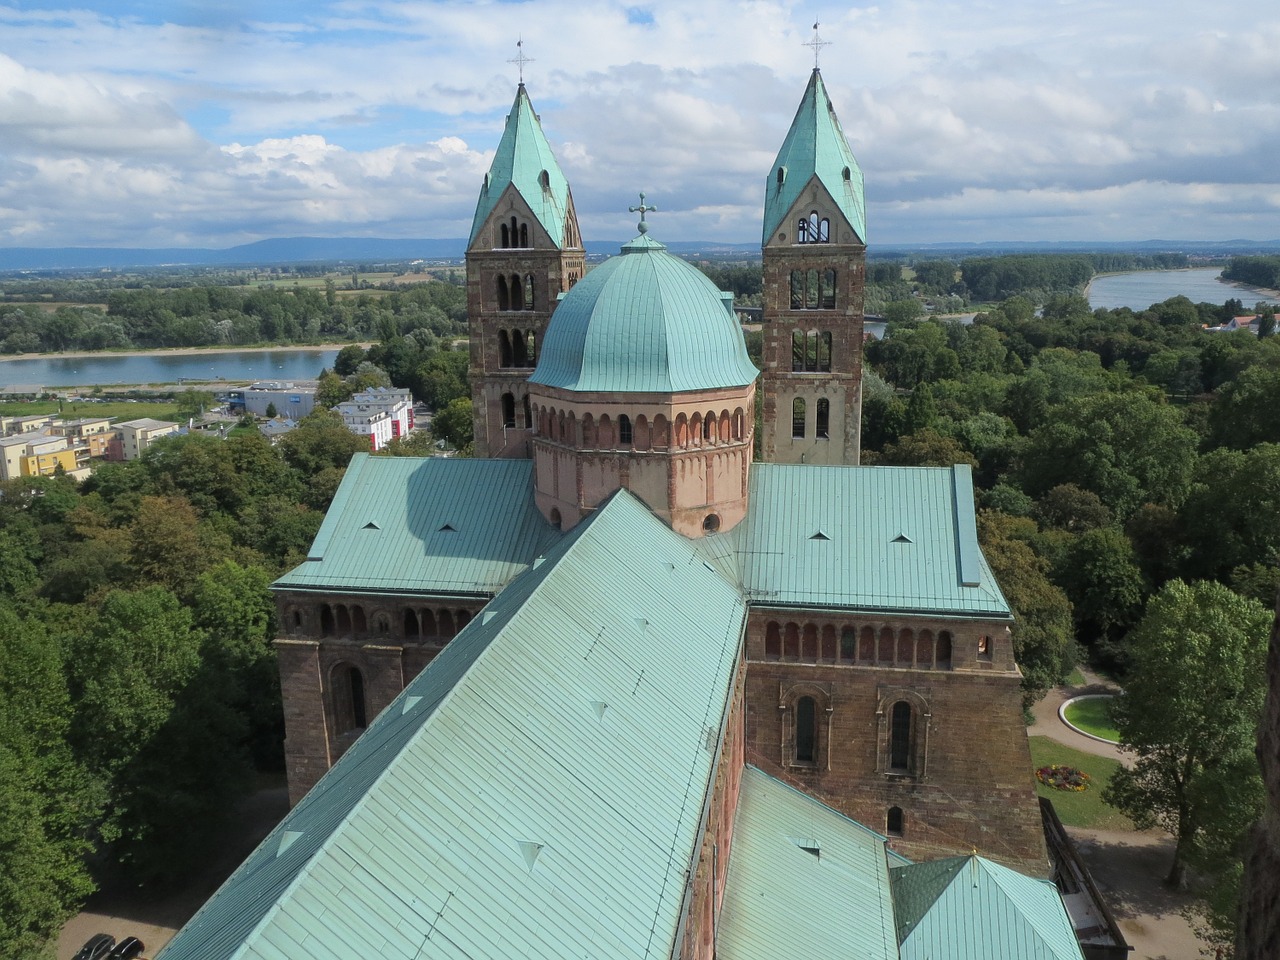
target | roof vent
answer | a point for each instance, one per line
(544, 179)
(487, 616)
(846, 174)
(819, 536)
(600, 707)
(530, 850)
(409, 704)
(808, 845)
(447, 528)
(371, 525)
(286, 841)
(902, 538)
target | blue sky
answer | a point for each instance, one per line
(214, 123)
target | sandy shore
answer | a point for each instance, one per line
(177, 351)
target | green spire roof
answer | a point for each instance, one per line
(644, 322)
(524, 160)
(815, 147)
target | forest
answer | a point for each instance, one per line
(1123, 458)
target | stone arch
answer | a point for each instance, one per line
(412, 628)
(661, 436)
(828, 651)
(904, 716)
(681, 432)
(809, 643)
(445, 620)
(590, 439)
(772, 640)
(906, 653)
(791, 642)
(643, 433)
(867, 645)
(806, 726)
(924, 649)
(429, 627)
(504, 348)
(349, 712)
(885, 650)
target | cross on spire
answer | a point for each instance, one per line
(817, 43)
(642, 210)
(520, 59)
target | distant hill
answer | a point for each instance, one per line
(362, 250)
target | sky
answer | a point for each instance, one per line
(210, 123)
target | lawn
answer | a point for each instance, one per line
(116, 409)
(1084, 809)
(1094, 716)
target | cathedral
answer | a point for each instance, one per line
(616, 688)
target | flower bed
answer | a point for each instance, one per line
(1062, 777)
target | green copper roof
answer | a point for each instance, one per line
(968, 908)
(425, 526)
(536, 792)
(866, 538)
(803, 881)
(644, 322)
(815, 147)
(522, 159)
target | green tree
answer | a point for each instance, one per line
(1099, 573)
(1189, 714)
(453, 425)
(192, 404)
(45, 805)
(332, 390)
(1042, 634)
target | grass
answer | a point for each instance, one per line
(1084, 809)
(119, 409)
(1076, 679)
(1093, 716)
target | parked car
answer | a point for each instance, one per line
(130, 948)
(96, 947)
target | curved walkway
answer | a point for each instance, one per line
(1047, 723)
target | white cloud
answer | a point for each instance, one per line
(977, 120)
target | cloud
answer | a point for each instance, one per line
(216, 124)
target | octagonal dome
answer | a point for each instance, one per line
(644, 322)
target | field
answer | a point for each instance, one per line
(116, 409)
(1084, 809)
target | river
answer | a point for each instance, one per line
(111, 369)
(1142, 288)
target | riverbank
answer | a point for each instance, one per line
(1139, 289)
(180, 351)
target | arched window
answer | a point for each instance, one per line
(797, 418)
(682, 431)
(900, 737)
(806, 730)
(343, 620)
(504, 348)
(906, 648)
(643, 434)
(524, 234)
(811, 229)
(737, 424)
(984, 647)
(531, 349)
(709, 427)
(464, 617)
(867, 645)
(347, 694)
(519, 348)
(661, 432)
(791, 642)
(528, 291)
(924, 649)
(528, 413)
(893, 822)
(358, 626)
(823, 418)
(446, 624)
(624, 430)
(590, 441)
(695, 428)
(797, 351)
(411, 629)
(326, 621)
(772, 641)
(504, 295)
(710, 523)
(508, 410)
(604, 433)
(797, 289)
(828, 642)
(824, 351)
(811, 298)
(809, 644)
(515, 233)
(943, 652)
(848, 644)
(555, 518)
(828, 296)
(429, 628)
(517, 293)
(506, 236)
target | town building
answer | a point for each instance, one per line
(37, 454)
(614, 688)
(286, 398)
(130, 439)
(380, 413)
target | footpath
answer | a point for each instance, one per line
(1128, 866)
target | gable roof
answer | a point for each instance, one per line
(968, 908)
(434, 525)
(815, 146)
(783, 899)
(522, 158)
(537, 791)
(866, 538)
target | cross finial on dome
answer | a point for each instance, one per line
(642, 210)
(520, 59)
(817, 43)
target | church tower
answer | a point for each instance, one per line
(525, 250)
(814, 250)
